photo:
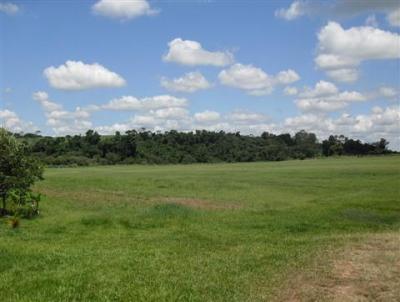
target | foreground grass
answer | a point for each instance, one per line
(223, 232)
(366, 269)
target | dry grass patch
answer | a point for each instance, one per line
(98, 197)
(91, 197)
(368, 270)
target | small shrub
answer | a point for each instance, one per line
(24, 204)
(14, 222)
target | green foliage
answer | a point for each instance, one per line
(23, 203)
(18, 172)
(172, 147)
(341, 145)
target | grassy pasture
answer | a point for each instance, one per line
(212, 232)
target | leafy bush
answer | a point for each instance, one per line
(18, 171)
(24, 204)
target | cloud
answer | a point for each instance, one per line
(385, 92)
(207, 116)
(319, 105)
(9, 8)
(287, 77)
(290, 90)
(157, 112)
(11, 121)
(394, 17)
(381, 120)
(76, 75)
(9, 117)
(170, 113)
(163, 101)
(43, 98)
(371, 21)
(326, 97)
(341, 51)
(105, 129)
(254, 80)
(343, 75)
(60, 120)
(190, 82)
(187, 52)
(309, 122)
(294, 11)
(322, 88)
(125, 103)
(246, 117)
(341, 8)
(131, 103)
(247, 77)
(356, 7)
(388, 92)
(145, 121)
(163, 119)
(124, 10)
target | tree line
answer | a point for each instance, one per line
(201, 146)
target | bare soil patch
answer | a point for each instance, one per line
(368, 270)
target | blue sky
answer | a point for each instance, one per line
(278, 66)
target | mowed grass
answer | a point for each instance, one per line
(215, 232)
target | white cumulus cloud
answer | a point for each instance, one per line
(207, 116)
(76, 75)
(322, 88)
(12, 122)
(131, 103)
(394, 17)
(123, 9)
(325, 97)
(341, 51)
(388, 92)
(60, 120)
(294, 11)
(190, 82)
(187, 52)
(254, 80)
(9, 8)
(170, 113)
(342, 8)
(43, 98)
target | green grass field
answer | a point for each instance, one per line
(218, 232)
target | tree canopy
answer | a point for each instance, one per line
(172, 147)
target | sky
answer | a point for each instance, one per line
(328, 67)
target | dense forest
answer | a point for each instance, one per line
(172, 147)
